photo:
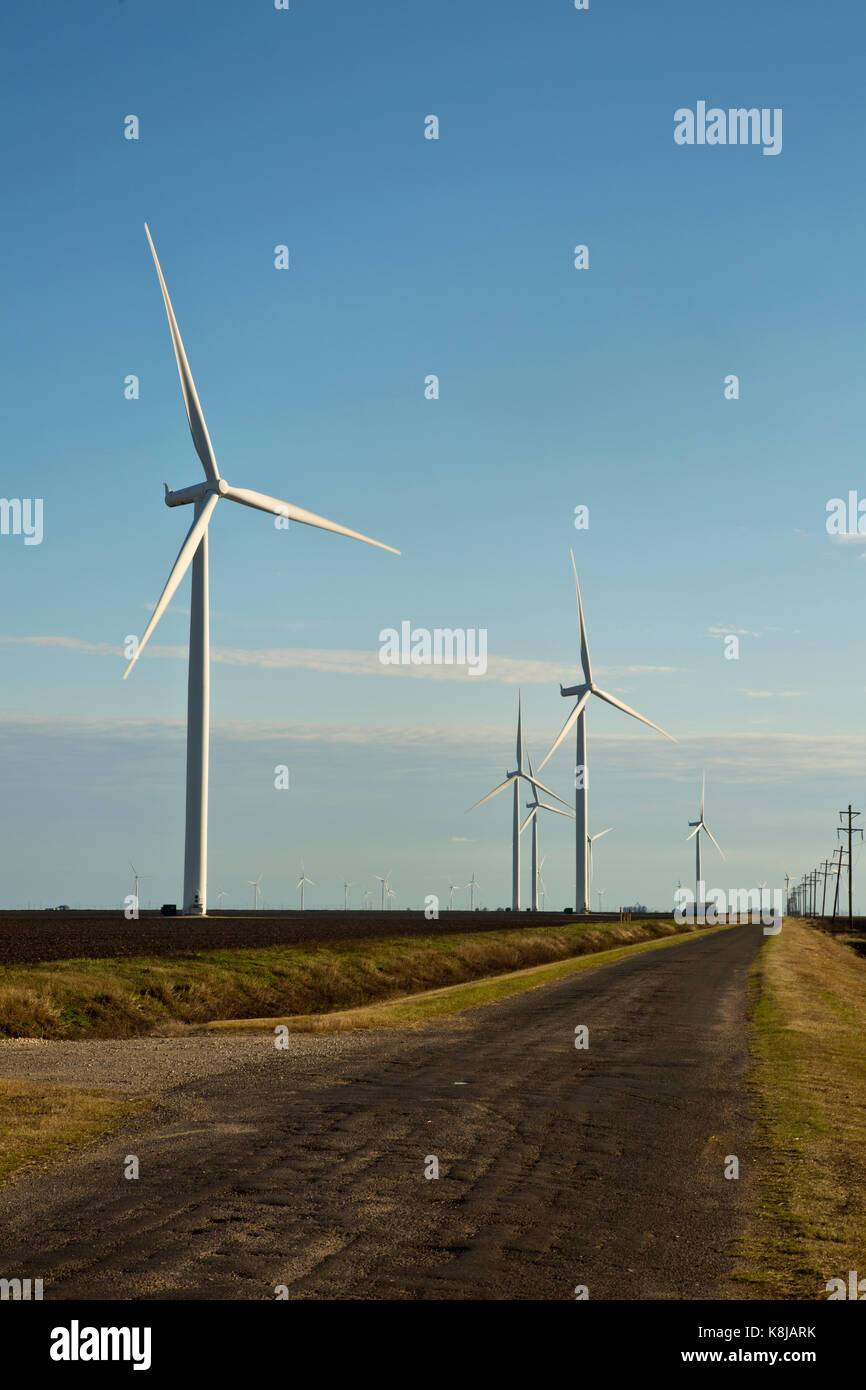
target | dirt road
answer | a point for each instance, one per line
(558, 1167)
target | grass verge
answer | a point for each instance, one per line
(139, 995)
(440, 1003)
(38, 1122)
(808, 1080)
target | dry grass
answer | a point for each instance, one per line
(809, 1085)
(139, 995)
(441, 1003)
(38, 1122)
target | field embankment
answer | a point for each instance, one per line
(809, 1085)
(140, 995)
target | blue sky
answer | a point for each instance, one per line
(557, 388)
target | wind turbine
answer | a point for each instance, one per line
(254, 884)
(391, 894)
(452, 886)
(384, 883)
(222, 894)
(513, 779)
(761, 887)
(589, 839)
(368, 893)
(578, 714)
(541, 883)
(472, 885)
(533, 808)
(601, 892)
(138, 878)
(194, 551)
(700, 825)
(346, 887)
(301, 882)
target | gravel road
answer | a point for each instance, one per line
(558, 1167)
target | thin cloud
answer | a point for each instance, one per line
(506, 669)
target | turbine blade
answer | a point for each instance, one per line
(544, 807)
(181, 565)
(543, 788)
(567, 725)
(197, 426)
(262, 503)
(715, 841)
(524, 825)
(496, 790)
(693, 834)
(584, 648)
(618, 704)
(598, 834)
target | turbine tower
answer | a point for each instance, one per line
(203, 497)
(472, 885)
(700, 825)
(578, 715)
(533, 808)
(301, 883)
(513, 779)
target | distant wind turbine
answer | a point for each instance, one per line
(194, 551)
(391, 894)
(700, 825)
(589, 839)
(302, 882)
(541, 882)
(254, 884)
(451, 887)
(383, 879)
(601, 892)
(533, 807)
(346, 886)
(368, 893)
(512, 779)
(578, 715)
(472, 885)
(220, 895)
(138, 878)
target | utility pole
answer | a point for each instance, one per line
(850, 830)
(838, 881)
(825, 868)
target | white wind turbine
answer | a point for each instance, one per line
(534, 807)
(451, 887)
(391, 894)
(472, 885)
(138, 878)
(368, 893)
(254, 884)
(601, 892)
(194, 551)
(347, 884)
(513, 779)
(578, 714)
(302, 881)
(220, 895)
(589, 839)
(700, 825)
(383, 879)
